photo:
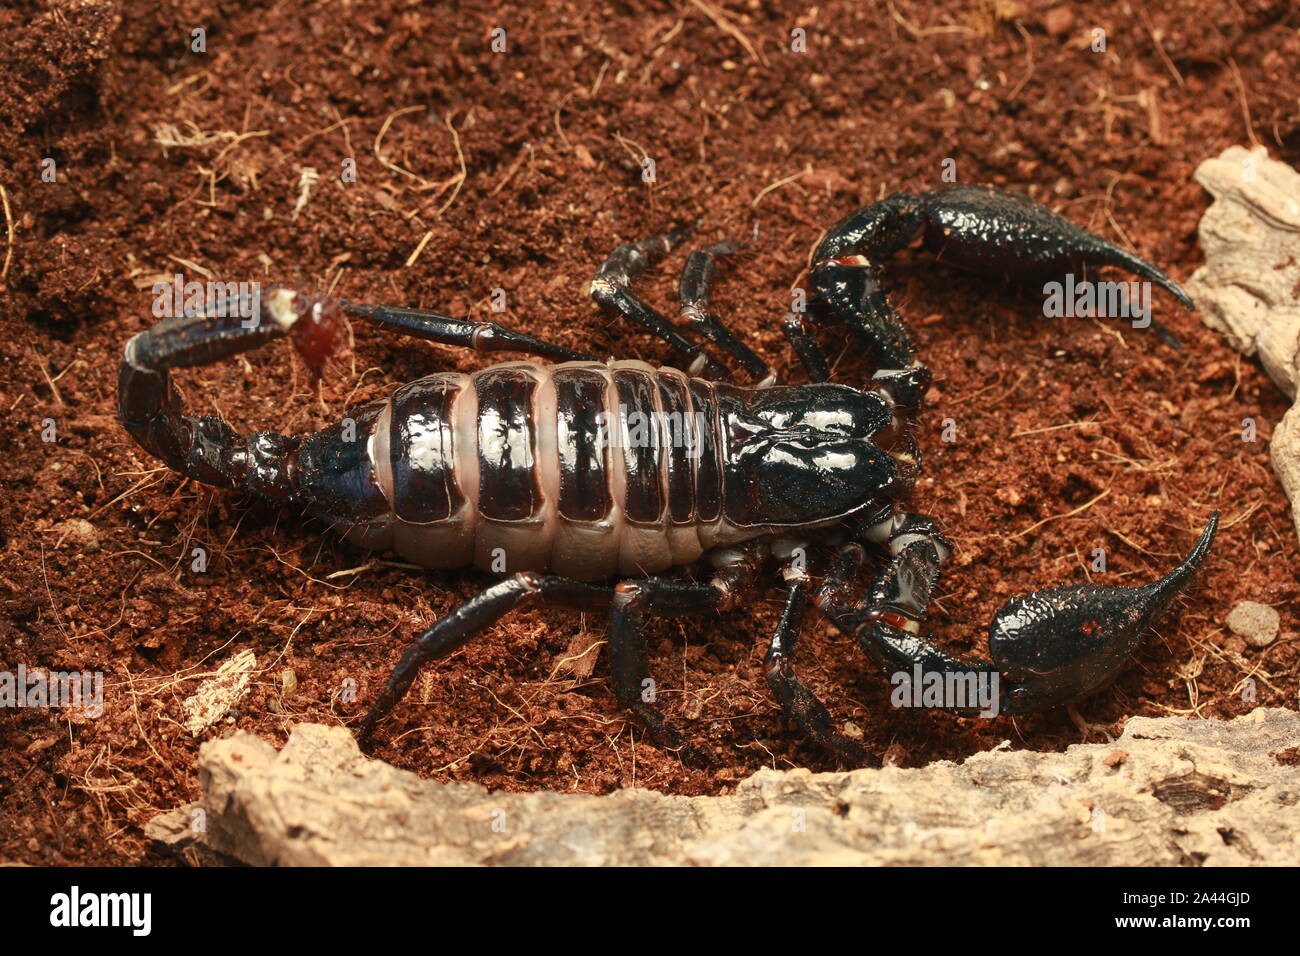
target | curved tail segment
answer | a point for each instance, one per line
(205, 447)
(316, 470)
(972, 226)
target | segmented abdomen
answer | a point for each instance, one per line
(584, 469)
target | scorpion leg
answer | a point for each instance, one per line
(628, 654)
(696, 285)
(612, 288)
(973, 226)
(737, 569)
(480, 612)
(628, 603)
(799, 333)
(467, 333)
(1048, 647)
(794, 696)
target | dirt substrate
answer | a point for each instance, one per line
(519, 170)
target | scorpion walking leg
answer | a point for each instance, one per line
(612, 288)
(794, 696)
(628, 655)
(627, 647)
(467, 333)
(696, 284)
(798, 331)
(473, 617)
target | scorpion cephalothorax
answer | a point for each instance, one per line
(580, 471)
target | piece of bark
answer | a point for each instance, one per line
(219, 693)
(1249, 287)
(1187, 792)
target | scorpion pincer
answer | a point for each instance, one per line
(600, 483)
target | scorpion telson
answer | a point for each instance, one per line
(578, 471)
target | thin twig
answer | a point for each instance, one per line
(460, 179)
(1029, 55)
(721, 21)
(9, 223)
(379, 138)
(1245, 106)
(772, 187)
(1068, 514)
(410, 261)
(1051, 428)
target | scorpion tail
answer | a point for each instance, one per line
(206, 448)
(330, 471)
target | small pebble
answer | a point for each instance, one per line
(1257, 623)
(1058, 21)
(80, 533)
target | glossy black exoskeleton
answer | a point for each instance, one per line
(518, 460)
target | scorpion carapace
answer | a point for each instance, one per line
(572, 472)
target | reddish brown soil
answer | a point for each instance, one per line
(552, 134)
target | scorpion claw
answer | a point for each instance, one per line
(981, 227)
(977, 227)
(1057, 646)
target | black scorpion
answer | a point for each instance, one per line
(582, 471)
